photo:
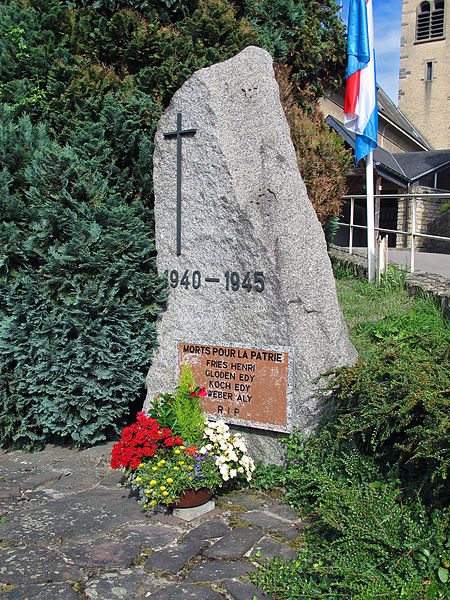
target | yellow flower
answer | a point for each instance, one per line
(147, 491)
(144, 505)
(163, 462)
(177, 451)
(153, 482)
(190, 468)
(169, 480)
(165, 493)
(141, 464)
(153, 502)
(155, 494)
(138, 479)
(181, 447)
(176, 468)
(181, 462)
(162, 487)
(155, 468)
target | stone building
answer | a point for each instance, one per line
(424, 90)
(413, 154)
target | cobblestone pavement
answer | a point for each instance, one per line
(70, 530)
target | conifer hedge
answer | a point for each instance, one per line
(82, 85)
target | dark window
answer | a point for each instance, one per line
(437, 20)
(429, 71)
(430, 21)
(423, 21)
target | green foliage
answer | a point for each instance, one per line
(277, 22)
(371, 480)
(187, 407)
(321, 154)
(395, 404)
(162, 410)
(367, 537)
(78, 285)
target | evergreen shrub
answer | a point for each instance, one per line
(78, 285)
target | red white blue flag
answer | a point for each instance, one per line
(360, 108)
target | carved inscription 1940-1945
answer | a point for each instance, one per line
(244, 386)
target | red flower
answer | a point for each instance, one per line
(139, 440)
(191, 450)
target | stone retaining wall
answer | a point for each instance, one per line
(436, 286)
(428, 221)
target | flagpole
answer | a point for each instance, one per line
(370, 217)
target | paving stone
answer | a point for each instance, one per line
(72, 482)
(235, 543)
(8, 492)
(165, 518)
(173, 559)
(186, 591)
(268, 548)
(52, 591)
(104, 553)
(282, 510)
(97, 510)
(41, 477)
(44, 495)
(150, 536)
(99, 455)
(131, 584)
(112, 478)
(208, 530)
(50, 455)
(217, 570)
(245, 590)
(265, 521)
(34, 565)
(248, 501)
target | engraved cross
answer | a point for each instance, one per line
(178, 133)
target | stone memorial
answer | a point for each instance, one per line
(252, 301)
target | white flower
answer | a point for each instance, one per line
(202, 450)
(233, 473)
(240, 470)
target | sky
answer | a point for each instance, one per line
(387, 18)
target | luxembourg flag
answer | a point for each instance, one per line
(360, 107)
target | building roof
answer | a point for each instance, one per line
(419, 164)
(401, 168)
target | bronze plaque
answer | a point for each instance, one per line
(245, 386)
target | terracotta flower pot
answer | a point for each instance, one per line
(192, 498)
